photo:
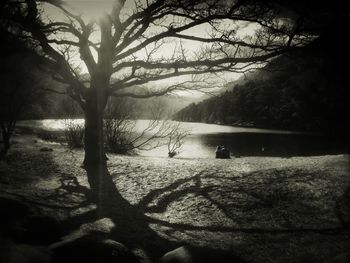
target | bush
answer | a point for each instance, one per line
(176, 139)
(49, 136)
(122, 134)
(74, 134)
(117, 136)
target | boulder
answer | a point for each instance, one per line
(191, 254)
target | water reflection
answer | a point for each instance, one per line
(256, 144)
(193, 127)
(204, 138)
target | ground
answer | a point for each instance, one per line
(264, 209)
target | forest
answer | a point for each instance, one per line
(305, 90)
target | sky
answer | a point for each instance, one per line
(93, 10)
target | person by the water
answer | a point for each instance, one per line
(225, 152)
(218, 152)
(222, 152)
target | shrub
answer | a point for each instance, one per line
(123, 136)
(176, 139)
(74, 134)
(50, 136)
(117, 136)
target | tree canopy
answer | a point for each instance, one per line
(138, 43)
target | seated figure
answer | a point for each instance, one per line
(222, 152)
(218, 152)
(225, 153)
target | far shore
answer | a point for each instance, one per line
(35, 123)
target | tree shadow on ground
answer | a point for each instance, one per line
(138, 228)
(342, 209)
(21, 168)
(237, 198)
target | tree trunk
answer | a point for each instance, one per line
(103, 189)
(95, 162)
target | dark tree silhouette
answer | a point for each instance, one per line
(20, 89)
(130, 49)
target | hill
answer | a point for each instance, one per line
(304, 90)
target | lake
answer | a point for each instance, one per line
(204, 138)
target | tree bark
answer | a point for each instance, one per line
(95, 162)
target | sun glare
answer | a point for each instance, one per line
(90, 9)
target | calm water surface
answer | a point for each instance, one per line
(204, 138)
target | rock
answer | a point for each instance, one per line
(178, 255)
(92, 250)
(46, 149)
(191, 254)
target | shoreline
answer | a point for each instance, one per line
(253, 129)
(242, 143)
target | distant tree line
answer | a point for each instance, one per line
(305, 90)
(65, 107)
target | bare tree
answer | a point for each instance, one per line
(118, 126)
(122, 134)
(133, 45)
(74, 133)
(176, 139)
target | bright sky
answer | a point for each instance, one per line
(94, 9)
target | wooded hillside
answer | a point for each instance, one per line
(306, 90)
